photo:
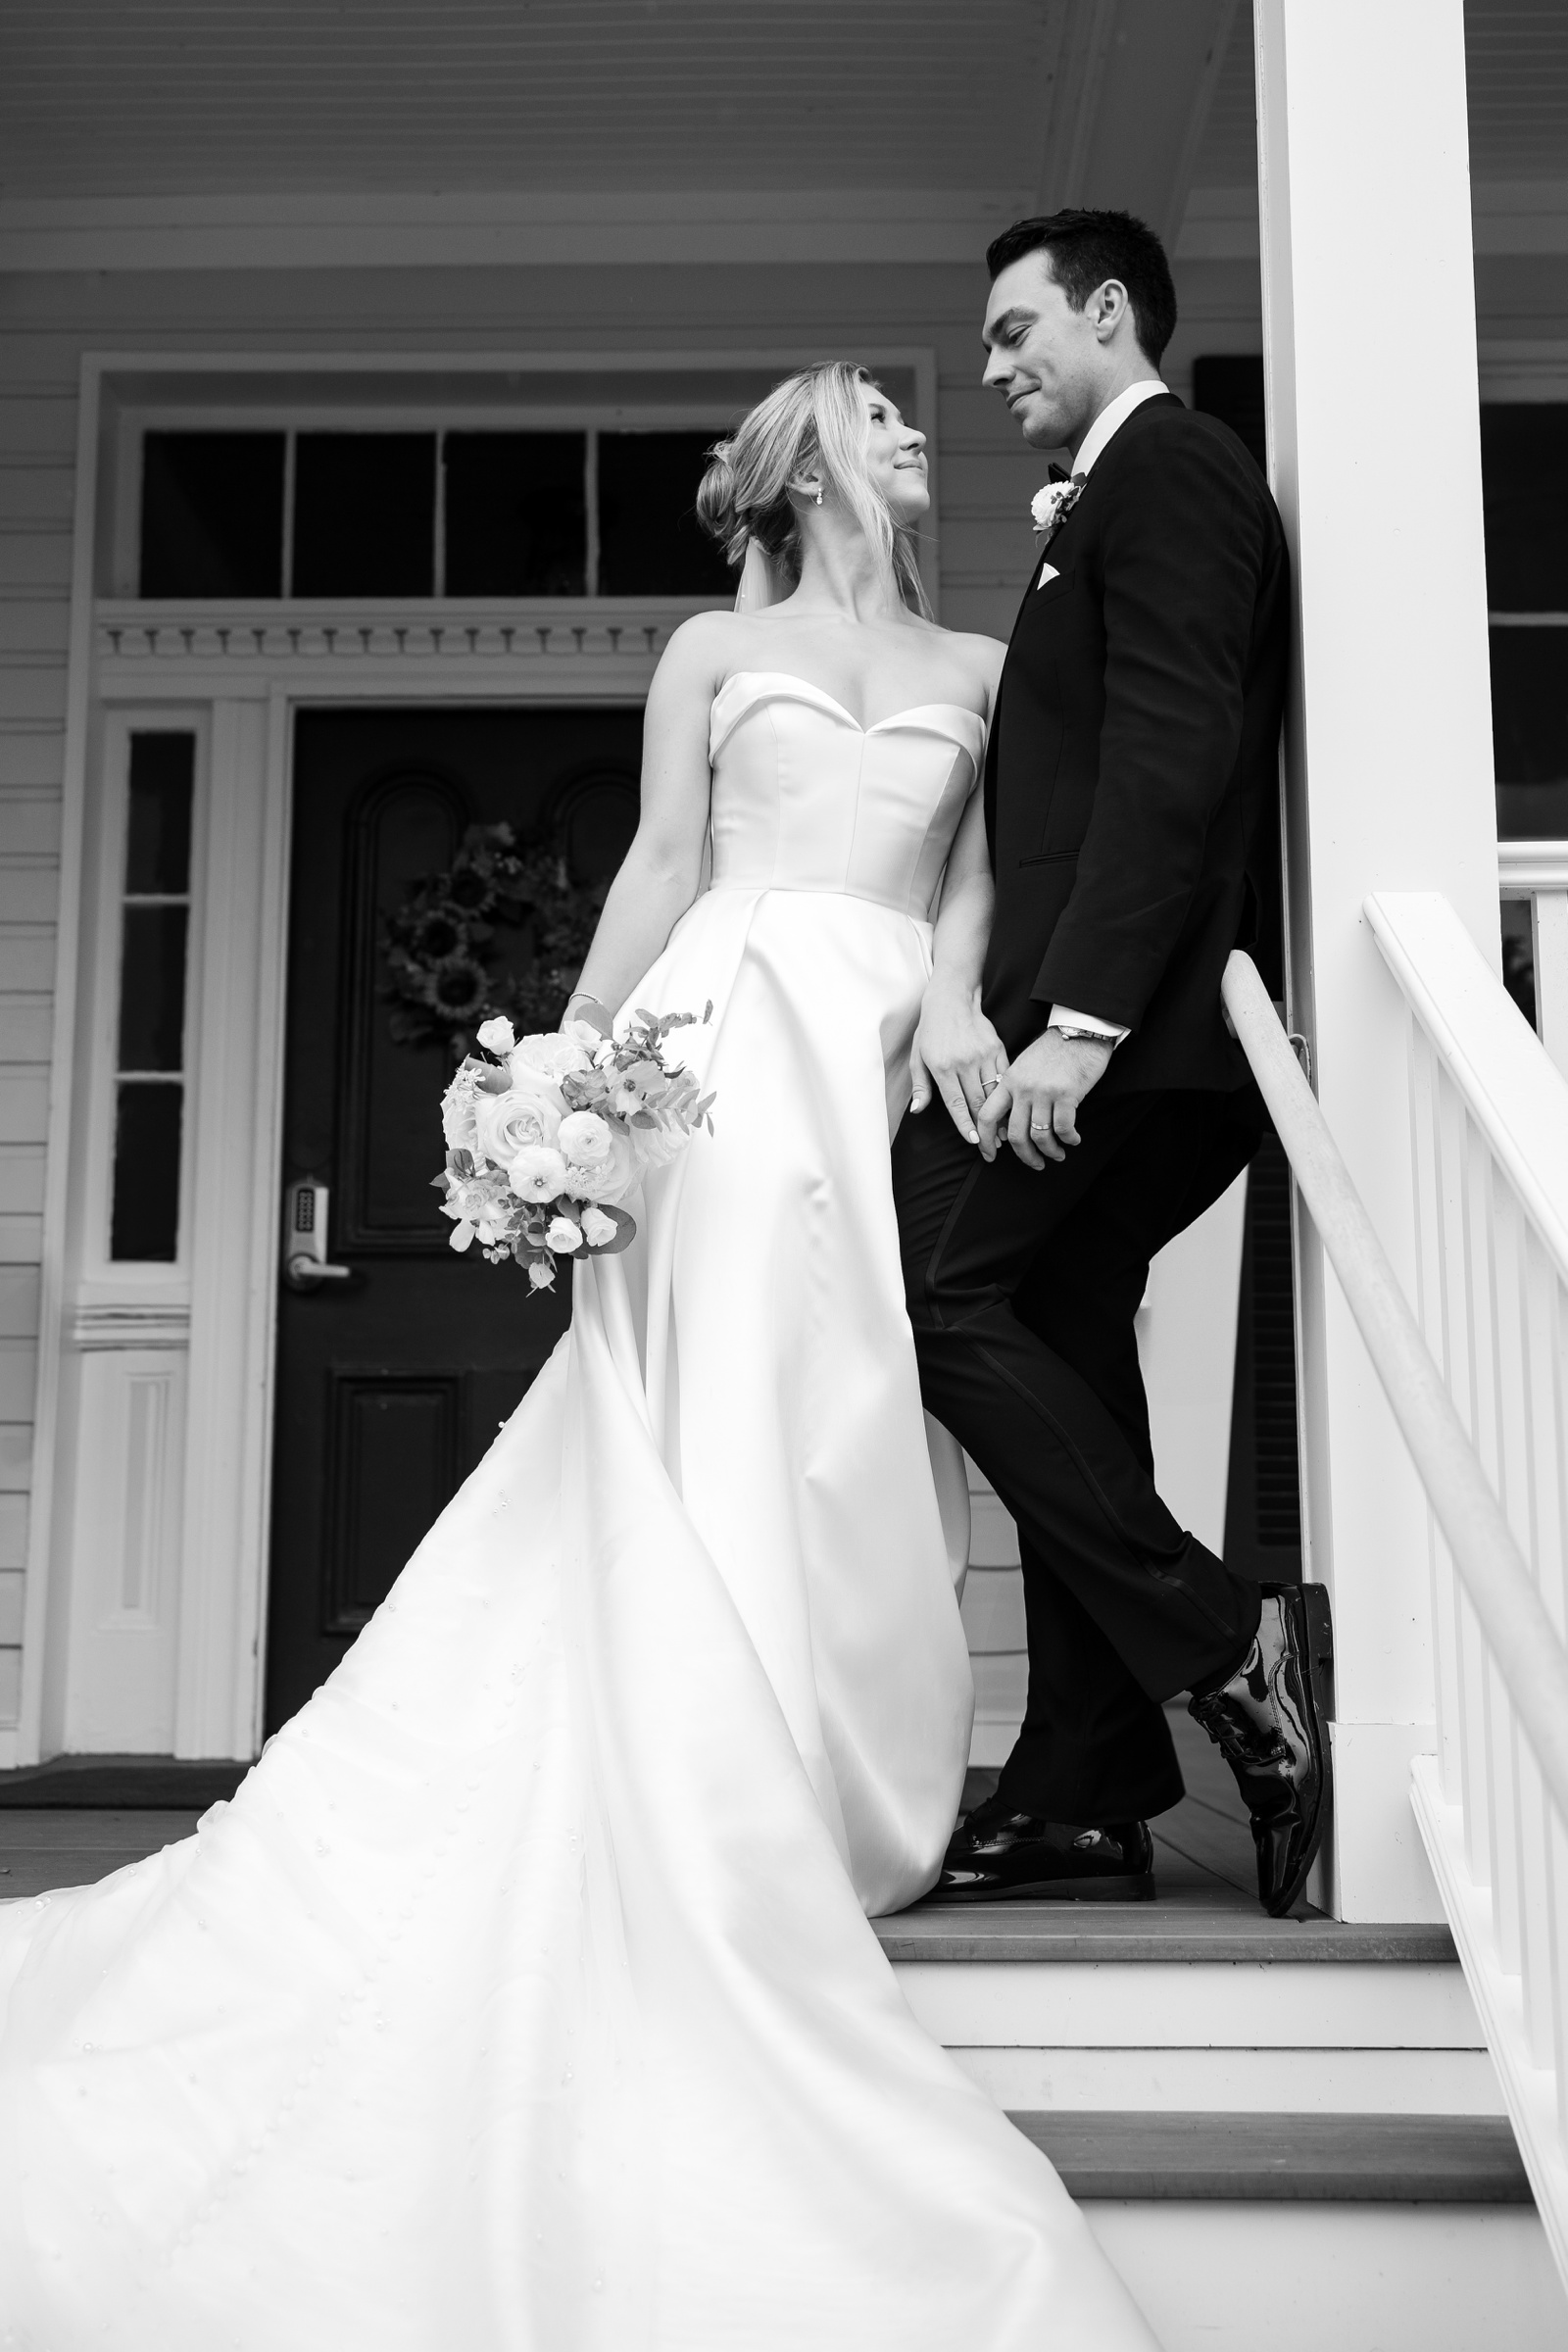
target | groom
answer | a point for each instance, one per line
(1131, 801)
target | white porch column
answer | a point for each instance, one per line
(1370, 359)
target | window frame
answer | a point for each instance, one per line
(102, 1278)
(122, 564)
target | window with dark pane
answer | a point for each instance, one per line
(363, 514)
(650, 542)
(1524, 488)
(145, 1221)
(517, 514)
(212, 514)
(1229, 385)
(155, 926)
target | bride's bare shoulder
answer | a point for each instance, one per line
(979, 657)
(702, 651)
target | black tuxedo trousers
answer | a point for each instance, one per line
(1022, 1287)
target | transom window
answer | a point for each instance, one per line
(444, 513)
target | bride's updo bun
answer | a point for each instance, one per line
(814, 427)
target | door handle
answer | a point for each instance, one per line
(304, 1260)
(303, 1273)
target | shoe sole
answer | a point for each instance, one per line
(1319, 1657)
(1138, 1889)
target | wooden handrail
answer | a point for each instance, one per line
(1521, 1636)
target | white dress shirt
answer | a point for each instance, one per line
(1112, 417)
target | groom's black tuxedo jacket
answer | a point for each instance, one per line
(1132, 782)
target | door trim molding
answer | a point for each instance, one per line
(251, 669)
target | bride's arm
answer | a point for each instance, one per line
(955, 1049)
(658, 875)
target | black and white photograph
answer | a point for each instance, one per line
(783, 1175)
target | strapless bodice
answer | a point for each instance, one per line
(805, 798)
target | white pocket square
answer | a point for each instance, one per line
(1048, 571)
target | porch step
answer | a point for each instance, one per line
(1195, 2004)
(1343, 2159)
(1186, 1925)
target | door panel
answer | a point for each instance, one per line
(391, 1384)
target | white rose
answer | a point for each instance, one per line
(537, 1173)
(542, 1274)
(585, 1139)
(550, 1057)
(562, 1236)
(507, 1124)
(497, 1035)
(597, 1228)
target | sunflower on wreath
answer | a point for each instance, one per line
(441, 945)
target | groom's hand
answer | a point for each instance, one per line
(1038, 1096)
(957, 1052)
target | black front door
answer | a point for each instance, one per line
(392, 1382)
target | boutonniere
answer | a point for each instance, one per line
(1052, 506)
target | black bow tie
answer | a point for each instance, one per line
(1057, 474)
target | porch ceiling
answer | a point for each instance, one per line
(161, 97)
(922, 108)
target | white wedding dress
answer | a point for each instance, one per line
(523, 1999)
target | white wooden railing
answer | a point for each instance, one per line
(1476, 1377)
(1538, 872)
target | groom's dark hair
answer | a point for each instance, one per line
(1084, 249)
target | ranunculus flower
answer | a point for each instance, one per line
(552, 1057)
(597, 1228)
(497, 1035)
(657, 1147)
(507, 1124)
(584, 1137)
(562, 1236)
(613, 1177)
(537, 1173)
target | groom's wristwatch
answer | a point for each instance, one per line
(1092, 1037)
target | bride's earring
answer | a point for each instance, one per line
(820, 494)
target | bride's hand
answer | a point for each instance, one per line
(958, 1052)
(588, 1008)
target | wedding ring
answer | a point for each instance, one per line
(1035, 1128)
(989, 1085)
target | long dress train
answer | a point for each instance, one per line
(523, 1999)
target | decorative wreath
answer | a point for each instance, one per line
(441, 945)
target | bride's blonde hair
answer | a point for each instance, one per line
(813, 424)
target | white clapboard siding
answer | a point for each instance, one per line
(37, 493)
(984, 479)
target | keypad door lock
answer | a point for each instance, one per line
(304, 1260)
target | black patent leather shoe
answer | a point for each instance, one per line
(996, 1853)
(1268, 1722)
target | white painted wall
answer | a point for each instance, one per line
(50, 317)
(984, 480)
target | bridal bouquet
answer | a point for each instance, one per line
(546, 1141)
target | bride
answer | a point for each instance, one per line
(523, 1999)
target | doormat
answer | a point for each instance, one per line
(134, 1783)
